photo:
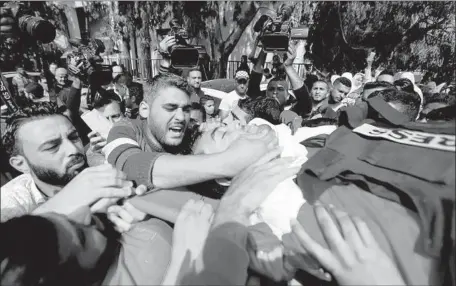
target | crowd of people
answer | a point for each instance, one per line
(313, 180)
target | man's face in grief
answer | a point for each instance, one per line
(112, 111)
(386, 77)
(168, 115)
(278, 89)
(194, 79)
(339, 92)
(209, 107)
(320, 91)
(61, 76)
(237, 116)
(52, 151)
(241, 86)
(53, 68)
(116, 70)
(220, 138)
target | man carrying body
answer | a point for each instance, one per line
(144, 149)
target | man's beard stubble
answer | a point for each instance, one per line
(52, 177)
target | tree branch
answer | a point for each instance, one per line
(235, 35)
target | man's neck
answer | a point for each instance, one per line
(47, 189)
(317, 104)
(151, 140)
(241, 95)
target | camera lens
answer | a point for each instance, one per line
(37, 28)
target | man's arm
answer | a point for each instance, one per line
(304, 104)
(160, 170)
(256, 75)
(73, 99)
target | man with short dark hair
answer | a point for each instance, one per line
(43, 145)
(371, 87)
(340, 88)
(110, 106)
(404, 102)
(34, 91)
(319, 94)
(147, 149)
(194, 81)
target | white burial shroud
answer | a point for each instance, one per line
(283, 204)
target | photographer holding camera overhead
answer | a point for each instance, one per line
(277, 36)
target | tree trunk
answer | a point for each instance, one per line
(145, 41)
(248, 12)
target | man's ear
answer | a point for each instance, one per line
(19, 163)
(144, 109)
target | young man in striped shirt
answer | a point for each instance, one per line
(147, 149)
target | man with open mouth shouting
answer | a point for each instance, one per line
(149, 150)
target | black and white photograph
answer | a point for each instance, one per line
(247, 143)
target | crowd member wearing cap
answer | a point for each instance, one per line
(240, 92)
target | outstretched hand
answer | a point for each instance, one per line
(291, 55)
(252, 186)
(354, 257)
(167, 43)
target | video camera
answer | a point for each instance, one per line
(85, 62)
(35, 27)
(183, 55)
(276, 32)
